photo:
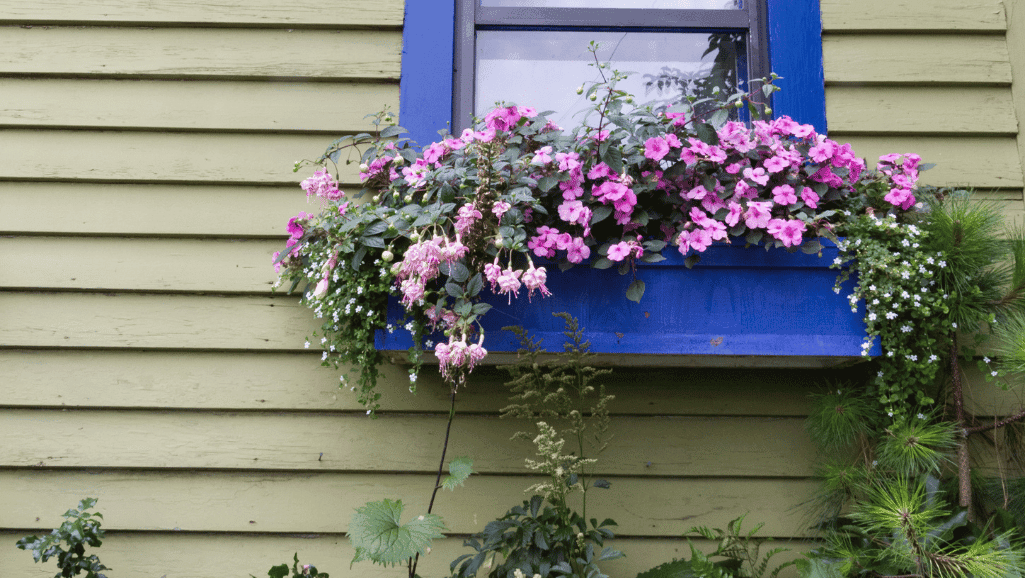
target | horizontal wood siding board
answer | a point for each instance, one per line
(157, 157)
(298, 13)
(296, 381)
(166, 210)
(921, 110)
(310, 502)
(153, 321)
(179, 265)
(178, 554)
(913, 16)
(984, 162)
(644, 446)
(182, 53)
(916, 59)
(193, 105)
(230, 211)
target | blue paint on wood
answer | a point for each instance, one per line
(425, 100)
(736, 301)
(795, 51)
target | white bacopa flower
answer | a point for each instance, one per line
(905, 329)
(323, 339)
(954, 325)
(875, 302)
(307, 344)
(994, 373)
(933, 357)
(837, 261)
(323, 356)
(359, 308)
(921, 416)
(871, 316)
(942, 264)
(985, 360)
(409, 326)
(891, 315)
(913, 357)
(871, 287)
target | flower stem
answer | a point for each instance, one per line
(441, 468)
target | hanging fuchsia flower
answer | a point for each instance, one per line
(509, 282)
(500, 208)
(535, 279)
(467, 216)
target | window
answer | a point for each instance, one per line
(439, 58)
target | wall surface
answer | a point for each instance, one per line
(146, 179)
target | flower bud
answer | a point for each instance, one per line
(499, 243)
(397, 160)
(768, 110)
(593, 97)
(739, 103)
(387, 256)
(580, 89)
(377, 198)
(364, 167)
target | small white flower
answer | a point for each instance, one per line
(930, 260)
(954, 325)
(942, 264)
(905, 329)
(994, 373)
(891, 315)
(307, 345)
(323, 356)
(913, 357)
(871, 316)
(368, 413)
(838, 261)
(921, 416)
(412, 378)
(875, 302)
(323, 340)
(933, 357)
(880, 374)
(985, 360)
(889, 354)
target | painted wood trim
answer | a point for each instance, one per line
(342, 13)
(197, 53)
(795, 53)
(193, 105)
(644, 446)
(427, 57)
(950, 110)
(153, 158)
(913, 16)
(296, 381)
(179, 555)
(922, 59)
(322, 503)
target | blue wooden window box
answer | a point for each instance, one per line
(738, 306)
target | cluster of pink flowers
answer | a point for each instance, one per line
(323, 185)
(508, 281)
(295, 233)
(903, 173)
(458, 354)
(420, 265)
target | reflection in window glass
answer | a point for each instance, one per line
(667, 4)
(543, 69)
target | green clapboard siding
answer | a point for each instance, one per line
(133, 209)
(184, 555)
(340, 13)
(201, 52)
(912, 16)
(258, 105)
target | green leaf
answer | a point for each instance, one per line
(600, 213)
(635, 291)
(375, 228)
(278, 571)
(459, 469)
(547, 182)
(811, 247)
(614, 158)
(375, 241)
(458, 272)
(706, 133)
(390, 131)
(454, 290)
(376, 534)
(475, 285)
(602, 263)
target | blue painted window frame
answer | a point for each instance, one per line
(428, 36)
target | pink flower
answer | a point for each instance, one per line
(468, 215)
(757, 175)
(323, 185)
(535, 279)
(902, 198)
(776, 164)
(321, 289)
(735, 213)
(757, 215)
(542, 156)
(575, 212)
(577, 251)
(698, 239)
(610, 191)
(598, 171)
(491, 272)
(619, 251)
(509, 282)
(656, 148)
(810, 197)
(823, 151)
(784, 195)
(697, 192)
(788, 232)
(502, 118)
(500, 208)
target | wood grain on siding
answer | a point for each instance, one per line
(134, 209)
(983, 162)
(67, 155)
(921, 110)
(146, 264)
(178, 555)
(296, 381)
(655, 446)
(310, 502)
(153, 321)
(913, 16)
(200, 52)
(235, 12)
(193, 105)
(916, 59)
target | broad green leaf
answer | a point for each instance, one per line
(376, 534)
(813, 246)
(474, 286)
(706, 133)
(600, 213)
(459, 469)
(459, 272)
(390, 131)
(278, 571)
(635, 291)
(547, 182)
(602, 263)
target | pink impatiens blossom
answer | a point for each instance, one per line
(577, 251)
(542, 156)
(810, 197)
(784, 195)
(902, 198)
(757, 175)
(736, 211)
(598, 171)
(619, 251)
(789, 232)
(575, 212)
(502, 118)
(656, 148)
(758, 214)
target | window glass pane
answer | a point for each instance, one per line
(668, 4)
(543, 69)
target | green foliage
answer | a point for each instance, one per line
(902, 526)
(841, 418)
(538, 541)
(741, 553)
(79, 529)
(281, 571)
(459, 470)
(376, 534)
(916, 446)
